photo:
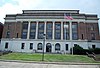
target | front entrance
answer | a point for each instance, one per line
(48, 47)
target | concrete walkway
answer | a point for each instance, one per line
(7, 64)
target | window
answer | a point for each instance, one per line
(74, 36)
(74, 27)
(24, 35)
(49, 35)
(39, 47)
(32, 30)
(31, 45)
(66, 46)
(66, 31)
(40, 30)
(17, 35)
(82, 36)
(32, 35)
(33, 25)
(24, 30)
(93, 46)
(75, 45)
(49, 30)
(6, 45)
(57, 46)
(25, 25)
(74, 31)
(8, 34)
(23, 45)
(92, 36)
(9, 26)
(91, 27)
(57, 30)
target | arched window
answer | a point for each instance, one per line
(57, 46)
(39, 46)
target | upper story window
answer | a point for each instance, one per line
(24, 35)
(9, 26)
(57, 30)
(41, 25)
(57, 26)
(91, 27)
(40, 30)
(25, 25)
(49, 30)
(33, 26)
(74, 31)
(66, 30)
(49, 26)
(74, 27)
(32, 30)
(92, 36)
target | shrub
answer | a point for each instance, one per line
(95, 50)
(78, 50)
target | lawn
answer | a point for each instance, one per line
(47, 57)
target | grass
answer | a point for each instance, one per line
(47, 57)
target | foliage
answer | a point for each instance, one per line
(78, 50)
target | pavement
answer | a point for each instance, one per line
(31, 64)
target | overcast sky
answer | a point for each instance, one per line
(16, 6)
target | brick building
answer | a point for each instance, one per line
(24, 32)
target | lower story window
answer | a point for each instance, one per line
(66, 46)
(23, 45)
(31, 45)
(57, 46)
(93, 46)
(39, 46)
(6, 45)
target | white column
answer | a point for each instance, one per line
(53, 31)
(70, 23)
(62, 30)
(36, 34)
(45, 27)
(28, 33)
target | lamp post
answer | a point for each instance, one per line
(44, 36)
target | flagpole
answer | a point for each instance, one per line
(68, 16)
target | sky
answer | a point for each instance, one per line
(16, 6)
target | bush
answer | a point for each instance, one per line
(78, 50)
(95, 50)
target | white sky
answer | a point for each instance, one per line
(16, 6)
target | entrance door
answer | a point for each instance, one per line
(48, 47)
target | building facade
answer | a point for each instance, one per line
(24, 32)
(1, 30)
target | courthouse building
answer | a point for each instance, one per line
(63, 30)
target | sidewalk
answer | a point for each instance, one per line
(58, 63)
(21, 64)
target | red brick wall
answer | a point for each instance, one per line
(14, 29)
(85, 29)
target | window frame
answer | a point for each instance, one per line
(6, 45)
(57, 47)
(39, 47)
